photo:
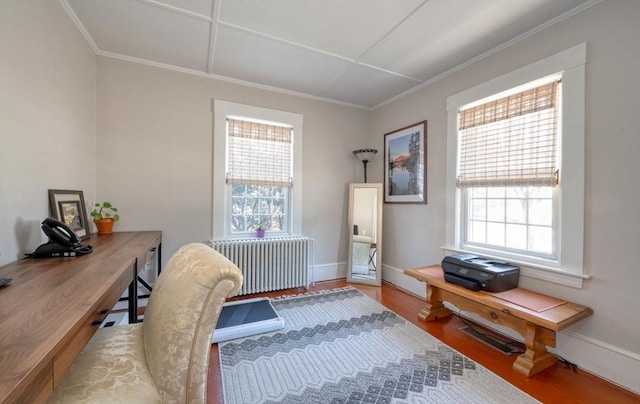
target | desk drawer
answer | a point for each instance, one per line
(68, 354)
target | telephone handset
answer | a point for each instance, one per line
(60, 233)
(63, 242)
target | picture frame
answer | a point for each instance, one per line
(405, 174)
(68, 207)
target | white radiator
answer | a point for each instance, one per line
(271, 263)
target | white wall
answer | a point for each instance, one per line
(47, 118)
(154, 155)
(607, 343)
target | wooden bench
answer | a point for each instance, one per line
(538, 328)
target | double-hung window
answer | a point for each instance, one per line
(508, 169)
(257, 155)
(259, 163)
(515, 168)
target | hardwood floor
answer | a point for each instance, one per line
(558, 384)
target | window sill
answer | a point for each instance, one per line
(540, 272)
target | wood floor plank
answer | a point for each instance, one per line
(558, 384)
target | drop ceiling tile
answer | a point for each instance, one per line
(309, 46)
(443, 35)
(202, 7)
(434, 35)
(256, 59)
(345, 28)
(362, 85)
(144, 31)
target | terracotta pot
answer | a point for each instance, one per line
(105, 226)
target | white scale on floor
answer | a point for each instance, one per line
(243, 318)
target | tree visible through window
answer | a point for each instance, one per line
(259, 172)
(258, 206)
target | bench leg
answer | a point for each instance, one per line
(434, 308)
(536, 357)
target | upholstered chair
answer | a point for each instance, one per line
(361, 254)
(165, 359)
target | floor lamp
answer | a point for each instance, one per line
(365, 155)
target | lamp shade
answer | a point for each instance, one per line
(365, 154)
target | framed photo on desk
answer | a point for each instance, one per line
(68, 207)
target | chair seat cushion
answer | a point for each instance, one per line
(111, 368)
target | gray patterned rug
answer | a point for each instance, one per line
(341, 346)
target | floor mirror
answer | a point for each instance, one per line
(365, 234)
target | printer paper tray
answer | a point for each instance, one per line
(459, 280)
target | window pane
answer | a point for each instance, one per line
(237, 205)
(250, 206)
(277, 206)
(277, 192)
(540, 239)
(495, 234)
(265, 222)
(517, 236)
(516, 212)
(516, 192)
(495, 210)
(477, 232)
(478, 209)
(540, 212)
(237, 223)
(277, 222)
(540, 192)
(509, 219)
(264, 205)
(253, 222)
(256, 206)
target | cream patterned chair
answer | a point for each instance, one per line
(361, 254)
(165, 359)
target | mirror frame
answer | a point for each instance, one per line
(378, 254)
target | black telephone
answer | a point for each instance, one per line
(63, 242)
(59, 232)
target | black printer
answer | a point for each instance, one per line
(480, 273)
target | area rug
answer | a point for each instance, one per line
(341, 346)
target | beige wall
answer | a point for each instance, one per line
(609, 341)
(47, 118)
(153, 133)
(154, 154)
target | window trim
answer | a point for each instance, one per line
(220, 189)
(569, 269)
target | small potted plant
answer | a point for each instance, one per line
(260, 232)
(104, 216)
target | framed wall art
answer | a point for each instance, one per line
(68, 207)
(405, 171)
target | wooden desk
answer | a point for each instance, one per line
(537, 328)
(54, 305)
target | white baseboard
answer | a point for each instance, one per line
(327, 272)
(608, 362)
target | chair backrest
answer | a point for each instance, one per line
(180, 318)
